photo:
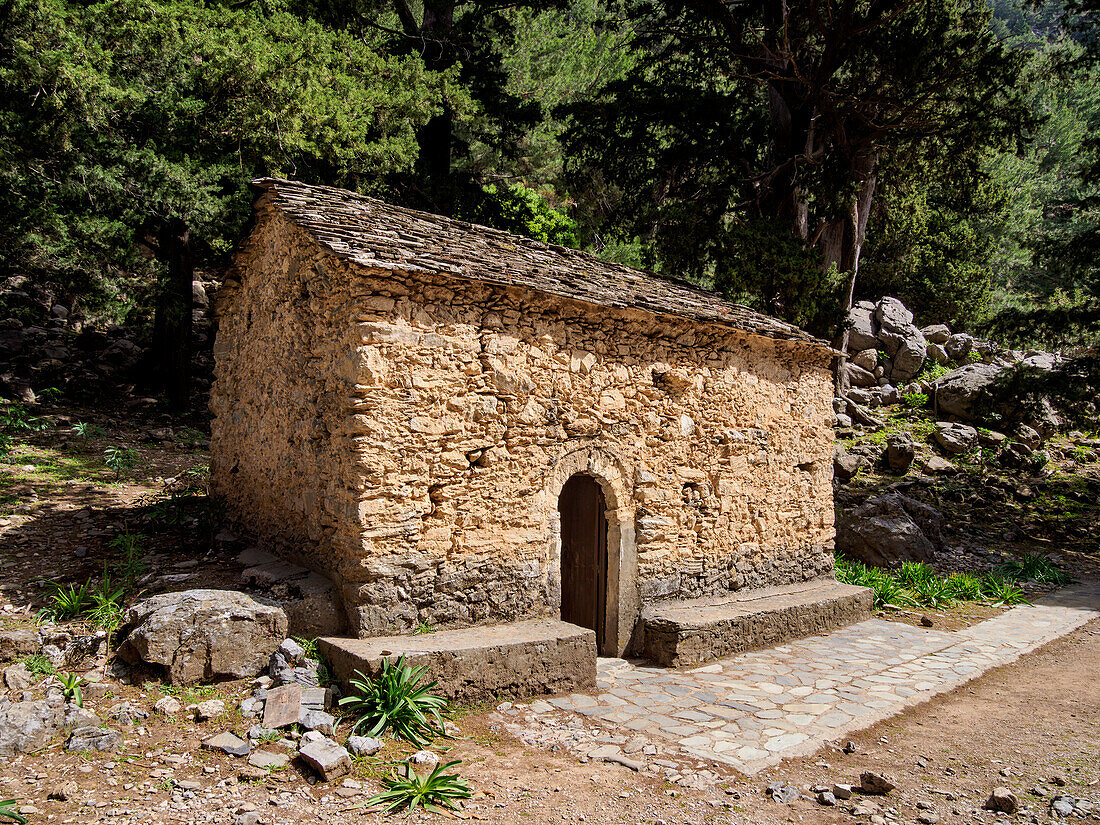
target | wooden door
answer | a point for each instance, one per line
(583, 555)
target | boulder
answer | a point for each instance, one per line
(364, 745)
(908, 358)
(903, 342)
(861, 332)
(958, 347)
(845, 464)
(18, 643)
(936, 466)
(892, 315)
(325, 756)
(26, 727)
(936, 334)
(201, 635)
(867, 359)
(859, 377)
(900, 452)
(955, 439)
(889, 529)
(1002, 800)
(91, 738)
(966, 392)
(937, 353)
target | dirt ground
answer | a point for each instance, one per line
(61, 509)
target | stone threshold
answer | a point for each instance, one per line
(478, 664)
(688, 633)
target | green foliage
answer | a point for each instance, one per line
(396, 702)
(39, 665)
(1034, 567)
(309, 646)
(523, 211)
(132, 564)
(120, 459)
(422, 628)
(68, 601)
(9, 810)
(122, 116)
(70, 687)
(435, 791)
(107, 603)
(916, 400)
(85, 430)
(16, 418)
(916, 584)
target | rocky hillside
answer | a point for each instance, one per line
(938, 461)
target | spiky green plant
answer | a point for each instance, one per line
(68, 601)
(396, 702)
(435, 791)
(9, 811)
(70, 687)
(999, 591)
(1033, 567)
(107, 600)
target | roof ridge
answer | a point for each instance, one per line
(370, 231)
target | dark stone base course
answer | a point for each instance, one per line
(476, 664)
(684, 633)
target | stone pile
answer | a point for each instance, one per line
(44, 343)
(887, 352)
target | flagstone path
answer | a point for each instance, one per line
(753, 710)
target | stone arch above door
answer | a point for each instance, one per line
(622, 600)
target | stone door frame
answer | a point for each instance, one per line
(623, 602)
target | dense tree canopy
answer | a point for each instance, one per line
(943, 150)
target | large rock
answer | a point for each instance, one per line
(201, 635)
(966, 392)
(937, 353)
(908, 358)
(861, 332)
(936, 334)
(26, 727)
(958, 347)
(18, 643)
(903, 342)
(955, 438)
(889, 529)
(900, 452)
(859, 377)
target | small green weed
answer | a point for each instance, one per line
(16, 417)
(309, 646)
(424, 627)
(916, 400)
(39, 665)
(396, 702)
(107, 600)
(120, 459)
(998, 591)
(86, 430)
(70, 687)
(435, 791)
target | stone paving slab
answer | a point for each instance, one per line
(756, 709)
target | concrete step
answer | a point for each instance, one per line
(475, 664)
(676, 634)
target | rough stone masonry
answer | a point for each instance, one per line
(400, 398)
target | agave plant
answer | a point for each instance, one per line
(8, 811)
(68, 602)
(433, 792)
(395, 701)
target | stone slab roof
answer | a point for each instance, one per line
(372, 233)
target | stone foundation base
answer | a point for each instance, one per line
(474, 664)
(690, 632)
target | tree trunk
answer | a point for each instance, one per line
(436, 136)
(856, 232)
(172, 323)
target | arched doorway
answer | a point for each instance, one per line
(583, 514)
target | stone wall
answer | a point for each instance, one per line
(421, 428)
